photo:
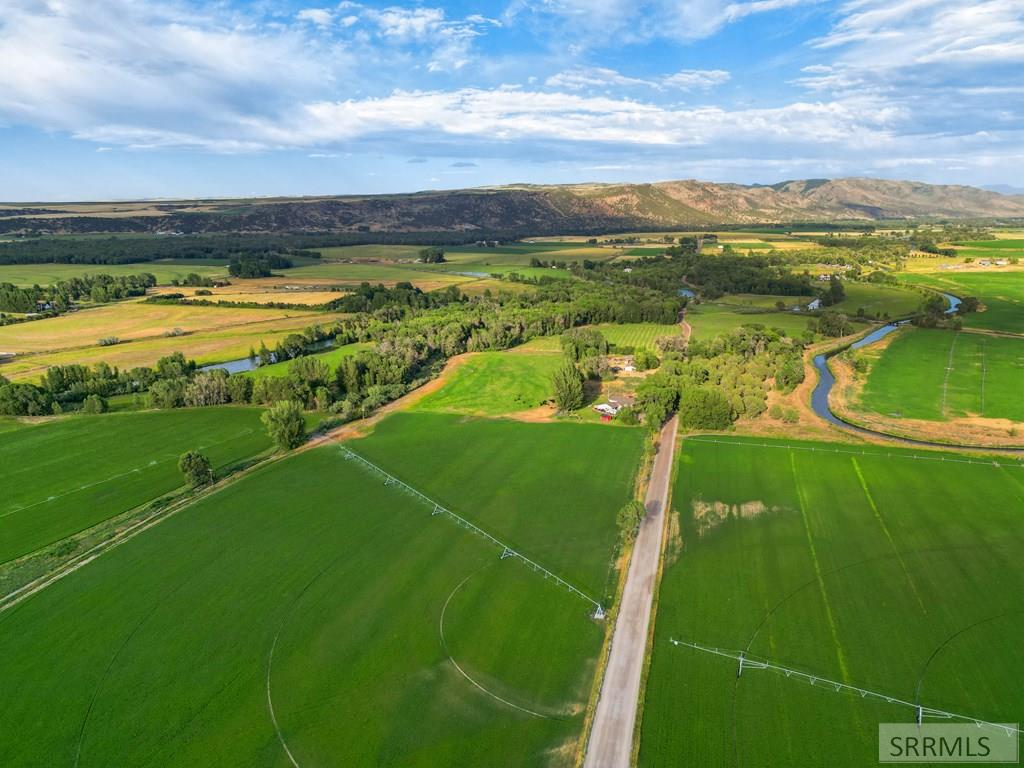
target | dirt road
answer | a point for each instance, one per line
(611, 737)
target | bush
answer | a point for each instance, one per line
(196, 468)
(94, 404)
(285, 424)
(703, 408)
(568, 385)
(628, 416)
(628, 518)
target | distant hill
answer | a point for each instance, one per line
(533, 209)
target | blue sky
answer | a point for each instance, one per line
(120, 99)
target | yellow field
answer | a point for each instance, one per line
(131, 320)
(210, 346)
(258, 294)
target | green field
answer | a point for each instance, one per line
(330, 358)
(935, 375)
(312, 591)
(1002, 293)
(372, 252)
(877, 570)
(63, 476)
(710, 320)
(48, 274)
(882, 301)
(638, 335)
(496, 383)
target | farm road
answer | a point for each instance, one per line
(611, 737)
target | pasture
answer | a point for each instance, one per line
(1001, 293)
(878, 301)
(66, 475)
(495, 384)
(332, 616)
(863, 566)
(331, 358)
(709, 320)
(936, 375)
(47, 274)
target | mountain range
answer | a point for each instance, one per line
(533, 209)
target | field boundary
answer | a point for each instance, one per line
(506, 550)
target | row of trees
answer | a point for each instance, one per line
(61, 295)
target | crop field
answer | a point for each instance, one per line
(332, 619)
(257, 292)
(710, 320)
(1002, 294)
(330, 358)
(456, 461)
(638, 335)
(935, 375)
(423, 276)
(212, 346)
(496, 383)
(865, 567)
(63, 476)
(130, 320)
(48, 274)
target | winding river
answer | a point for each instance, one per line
(822, 390)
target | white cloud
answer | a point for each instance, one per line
(691, 79)
(603, 21)
(515, 115)
(881, 34)
(322, 17)
(581, 78)
(594, 77)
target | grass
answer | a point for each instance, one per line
(496, 383)
(48, 274)
(710, 320)
(638, 335)
(935, 375)
(67, 475)
(331, 358)
(1002, 293)
(857, 568)
(340, 582)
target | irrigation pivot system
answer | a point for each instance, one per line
(920, 711)
(506, 550)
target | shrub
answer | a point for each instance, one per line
(628, 518)
(196, 468)
(568, 385)
(703, 408)
(94, 404)
(285, 424)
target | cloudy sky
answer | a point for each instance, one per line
(123, 98)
